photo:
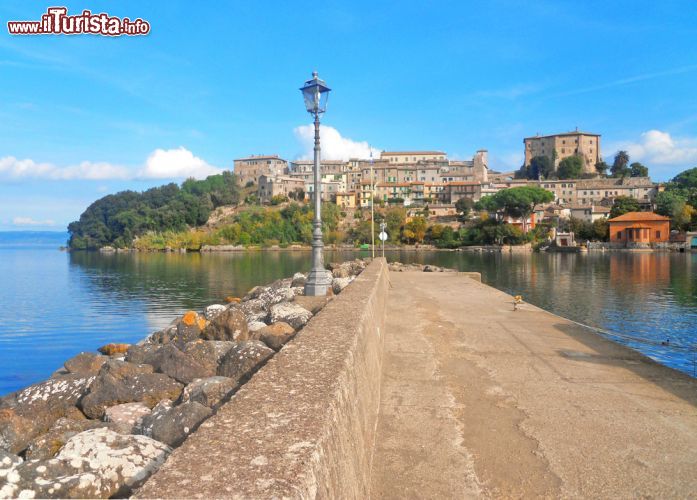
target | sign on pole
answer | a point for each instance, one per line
(382, 236)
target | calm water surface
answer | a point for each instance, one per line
(57, 304)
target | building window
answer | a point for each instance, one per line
(619, 235)
(658, 235)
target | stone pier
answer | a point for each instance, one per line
(429, 385)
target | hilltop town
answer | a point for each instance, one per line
(564, 195)
(568, 165)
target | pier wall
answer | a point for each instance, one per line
(304, 426)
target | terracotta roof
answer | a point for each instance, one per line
(639, 216)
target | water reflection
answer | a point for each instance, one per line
(62, 303)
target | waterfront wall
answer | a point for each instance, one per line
(304, 426)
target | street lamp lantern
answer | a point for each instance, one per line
(315, 93)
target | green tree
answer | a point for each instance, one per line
(540, 167)
(623, 205)
(638, 170)
(601, 229)
(463, 206)
(395, 218)
(415, 230)
(570, 167)
(601, 167)
(519, 202)
(619, 166)
(685, 185)
(673, 205)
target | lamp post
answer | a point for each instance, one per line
(315, 92)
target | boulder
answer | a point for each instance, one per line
(189, 327)
(32, 411)
(114, 349)
(230, 324)
(138, 354)
(298, 280)
(254, 326)
(208, 353)
(123, 382)
(178, 365)
(338, 284)
(175, 426)
(97, 463)
(243, 360)
(340, 272)
(291, 313)
(275, 335)
(181, 331)
(253, 310)
(159, 410)
(47, 445)
(8, 461)
(209, 392)
(213, 310)
(126, 417)
(85, 363)
(254, 293)
(271, 296)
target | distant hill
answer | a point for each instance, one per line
(117, 219)
(33, 238)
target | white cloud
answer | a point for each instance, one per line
(160, 164)
(334, 145)
(28, 221)
(13, 168)
(174, 163)
(660, 148)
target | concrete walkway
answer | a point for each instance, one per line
(478, 400)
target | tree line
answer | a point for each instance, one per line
(118, 219)
(571, 167)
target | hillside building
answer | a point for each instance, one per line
(249, 169)
(274, 185)
(556, 147)
(637, 229)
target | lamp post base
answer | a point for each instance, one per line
(317, 283)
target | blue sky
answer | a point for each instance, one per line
(82, 116)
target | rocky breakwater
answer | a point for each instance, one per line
(102, 424)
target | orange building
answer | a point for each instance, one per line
(641, 228)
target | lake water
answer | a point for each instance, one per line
(57, 304)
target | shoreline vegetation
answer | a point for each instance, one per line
(217, 214)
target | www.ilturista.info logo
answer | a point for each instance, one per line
(56, 21)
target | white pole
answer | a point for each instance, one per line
(372, 207)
